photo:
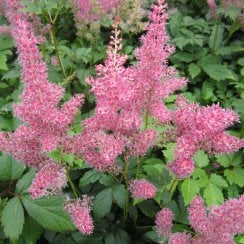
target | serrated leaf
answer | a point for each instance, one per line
(189, 189)
(240, 61)
(90, 176)
(218, 180)
(213, 195)
(120, 195)
(148, 208)
(216, 37)
(201, 177)
(183, 57)
(122, 237)
(223, 160)
(109, 239)
(106, 180)
(10, 169)
(48, 212)
(235, 176)
(169, 151)
(218, 71)
(194, 70)
(3, 62)
(102, 203)
(201, 159)
(229, 50)
(32, 230)
(69, 158)
(13, 218)
(24, 183)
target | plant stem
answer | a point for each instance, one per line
(54, 41)
(138, 166)
(173, 185)
(71, 183)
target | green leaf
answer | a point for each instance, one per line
(102, 203)
(223, 160)
(148, 208)
(216, 37)
(24, 183)
(189, 189)
(48, 212)
(69, 158)
(201, 159)
(32, 230)
(106, 180)
(120, 195)
(3, 62)
(201, 177)
(240, 61)
(218, 180)
(218, 71)
(235, 176)
(229, 50)
(194, 70)
(233, 191)
(13, 218)
(213, 195)
(183, 57)
(169, 151)
(10, 169)
(122, 237)
(109, 239)
(90, 176)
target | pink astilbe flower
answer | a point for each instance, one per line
(212, 8)
(164, 222)
(87, 10)
(180, 238)
(79, 210)
(49, 180)
(155, 79)
(201, 128)
(142, 189)
(182, 167)
(44, 120)
(221, 223)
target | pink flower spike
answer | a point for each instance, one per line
(180, 238)
(142, 189)
(49, 180)
(182, 167)
(79, 210)
(164, 222)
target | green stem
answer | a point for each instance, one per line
(54, 41)
(173, 185)
(138, 166)
(71, 183)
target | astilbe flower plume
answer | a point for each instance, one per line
(164, 222)
(218, 224)
(142, 189)
(201, 128)
(154, 78)
(79, 210)
(44, 122)
(49, 180)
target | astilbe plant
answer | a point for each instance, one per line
(219, 224)
(126, 98)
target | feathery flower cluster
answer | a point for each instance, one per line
(79, 210)
(221, 224)
(92, 9)
(49, 180)
(212, 8)
(164, 222)
(44, 122)
(217, 225)
(154, 78)
(201, 128)
(142, 189)
(125, 94)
